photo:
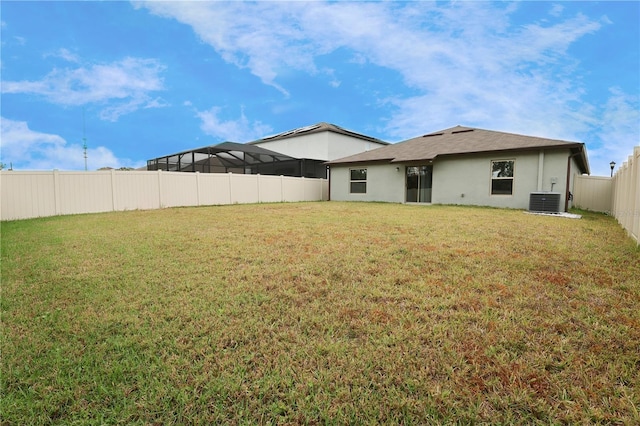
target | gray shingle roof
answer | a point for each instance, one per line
(461, 140)
(317, 128)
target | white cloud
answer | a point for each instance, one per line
(113, 112)
(123, 86)
(457, 69)
(239, 130)
(64, 54)
(619, 131)
(556, 10)
(28, 149)
(263, 37)
(18, 140)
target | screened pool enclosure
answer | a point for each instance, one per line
(231, 157)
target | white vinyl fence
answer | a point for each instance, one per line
(618, 196)
(593, 193)
(38, 194)
(626, 195)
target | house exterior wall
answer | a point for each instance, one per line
(463, 179)
(324, 146)
(384, 183)
(467, 180)
(340, 146)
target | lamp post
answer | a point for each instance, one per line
(612, 165)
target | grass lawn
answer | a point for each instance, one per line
(308, 313)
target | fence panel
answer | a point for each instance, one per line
(292, 189)
(593, 193)
(213, 189)
(244, 188)
(39, 194)
(314, 189)
(178, 189)
(222, 189)
(271, 189)
(78, 192)
(136, 190)
(626, 195)
(28, 194)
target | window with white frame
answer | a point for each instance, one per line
(502, 177)
(358, 182)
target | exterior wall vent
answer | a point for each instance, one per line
(546, 202)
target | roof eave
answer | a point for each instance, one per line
(577, 147)
(514, 149)
(412, 160)
(582, 154)
(354, 162)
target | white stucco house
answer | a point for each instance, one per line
(321, 141)
(463, 165)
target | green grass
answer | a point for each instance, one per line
(320, 313)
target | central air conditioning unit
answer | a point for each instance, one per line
(544, 202)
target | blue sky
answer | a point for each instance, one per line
(140, 80)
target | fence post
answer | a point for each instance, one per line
(159, 188)
(281, 189)
(230, 188)
(198, 188)
(56, 191)
(633, 204)
(634, 193)
(259, 188)
(113, 190)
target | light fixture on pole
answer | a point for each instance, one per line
(612, 165)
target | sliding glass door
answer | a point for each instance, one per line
(419, 181)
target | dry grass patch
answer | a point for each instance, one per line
(320, 313)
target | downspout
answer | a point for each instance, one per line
(329, 182)
(566, 195)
